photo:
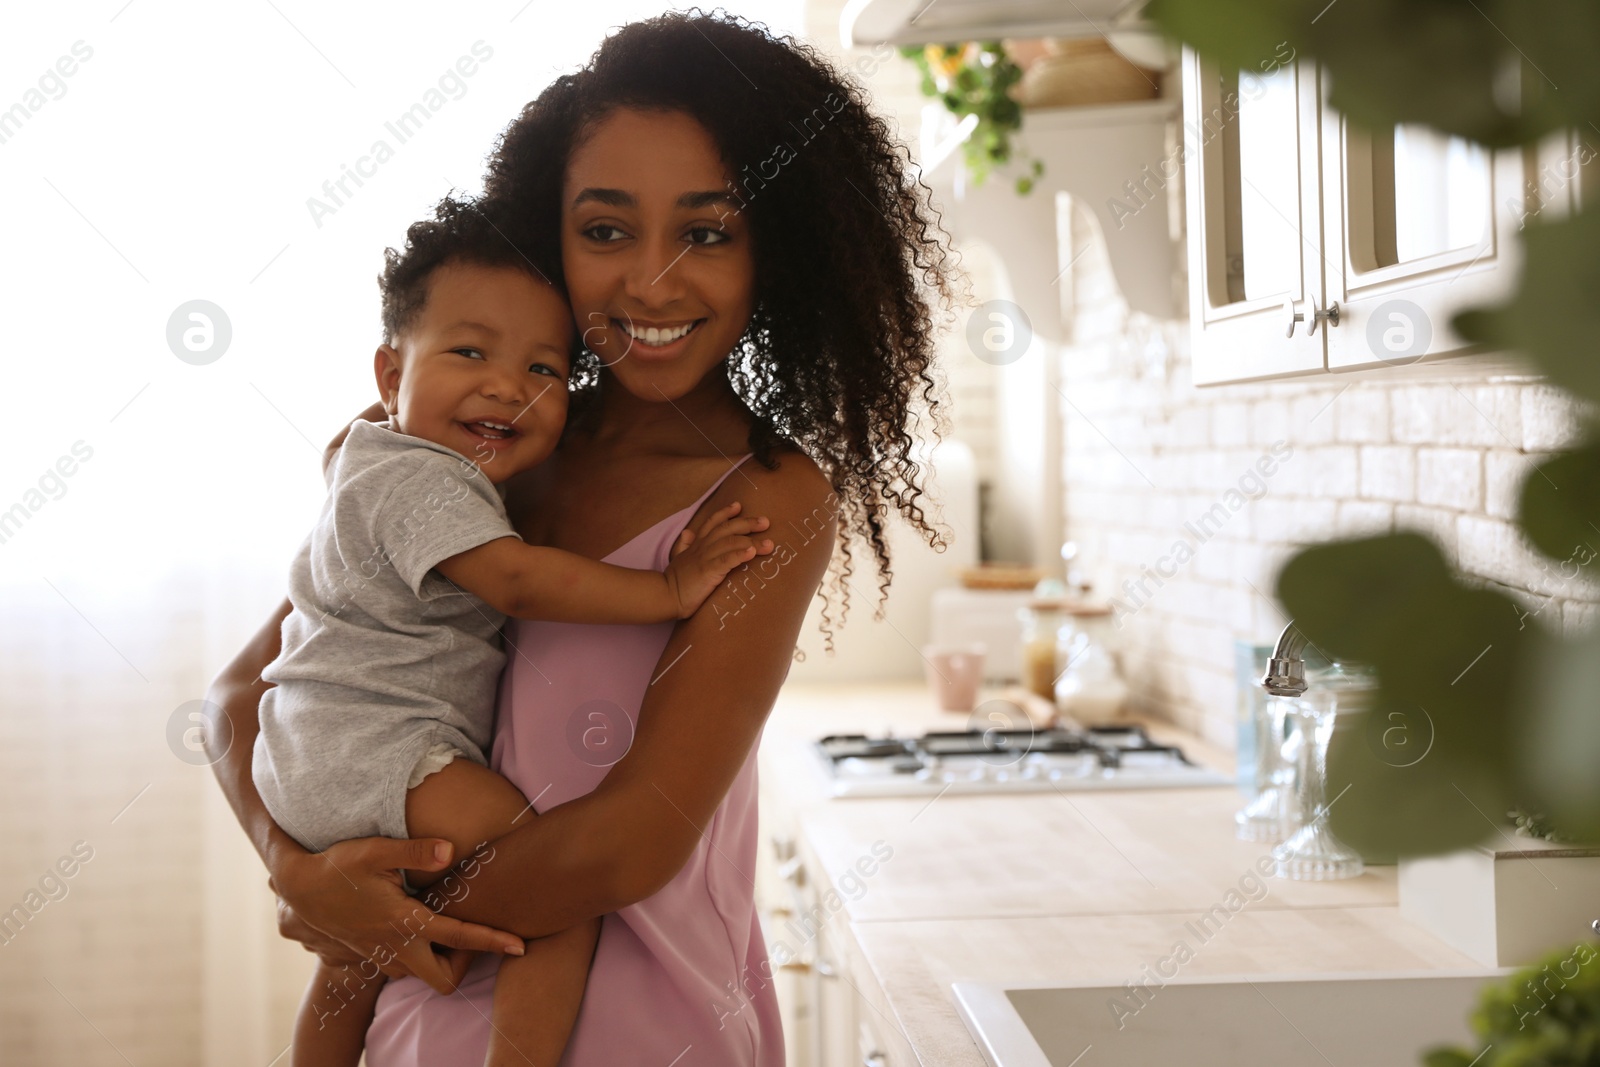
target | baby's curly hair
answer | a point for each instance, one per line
(849, 265)
(462, 230)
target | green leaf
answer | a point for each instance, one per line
(1387, 799)
(1560, 743)
(1429, 61)
(1560, 509)
(1554, 317)
(1357, 598)
(1234, 33)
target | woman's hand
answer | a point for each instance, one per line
(346, 904)
(330, 951)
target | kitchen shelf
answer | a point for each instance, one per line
(1111, 159)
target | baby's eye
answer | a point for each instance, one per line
(604, 233)
(699, 233)
(545, 368)
(470, 353)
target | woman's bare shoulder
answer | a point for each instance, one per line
(793, 477)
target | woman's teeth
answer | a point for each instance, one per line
(651, 335)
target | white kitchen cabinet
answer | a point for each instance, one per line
(1315, 246)
(1418, 228)
(1255, 231)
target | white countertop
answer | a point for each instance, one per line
(1049, 886)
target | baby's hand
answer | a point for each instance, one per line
(702, 558)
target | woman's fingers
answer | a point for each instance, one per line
(419, 959)
(410, 853)
(455, 933)
(352, 894)
(331, 951)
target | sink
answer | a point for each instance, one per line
(1356, 1020)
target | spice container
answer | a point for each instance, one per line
(1088, 689)
(1042, 621)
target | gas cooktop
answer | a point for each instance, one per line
(1002, 761)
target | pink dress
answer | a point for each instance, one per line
(680, 979)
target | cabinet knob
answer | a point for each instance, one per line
(1293, 315)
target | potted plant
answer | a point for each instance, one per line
(977, 78)
(1546, 1015)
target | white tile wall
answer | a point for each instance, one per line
(1147, 452)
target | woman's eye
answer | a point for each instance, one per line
(604, 233)
(700, 234)
(470, 353)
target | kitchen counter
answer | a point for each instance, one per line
(1047, 886)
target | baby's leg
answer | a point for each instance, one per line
(536, 996)
(330, 1029)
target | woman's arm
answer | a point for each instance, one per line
(368, 881)
(716, 683)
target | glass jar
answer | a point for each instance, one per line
(1043, 620)
(1089, 690)
(1312, 852)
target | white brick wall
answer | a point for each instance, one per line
(1444, 457)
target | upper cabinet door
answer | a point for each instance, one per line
(1421, 226)
(1254, 219)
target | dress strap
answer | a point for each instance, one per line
(692, 508)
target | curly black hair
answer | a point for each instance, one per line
(849, 260)
(461, 230)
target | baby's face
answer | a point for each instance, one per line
(482, 368)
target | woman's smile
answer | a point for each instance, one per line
(656, 341)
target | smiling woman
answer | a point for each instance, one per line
(795, 329)
(835, 317)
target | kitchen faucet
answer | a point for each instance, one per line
(1286, 670)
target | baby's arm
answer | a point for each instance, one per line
(533, 582)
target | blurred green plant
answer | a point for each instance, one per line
(1494, 708)
(976, 78)
(1546, 1015)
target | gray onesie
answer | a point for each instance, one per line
(384, 659)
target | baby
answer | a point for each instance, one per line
(383, 698)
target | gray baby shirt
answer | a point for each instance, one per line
(382, 656)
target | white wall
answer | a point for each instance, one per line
(1149, 452)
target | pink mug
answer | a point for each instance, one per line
(955, 672)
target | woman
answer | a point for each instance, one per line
(751, 269)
